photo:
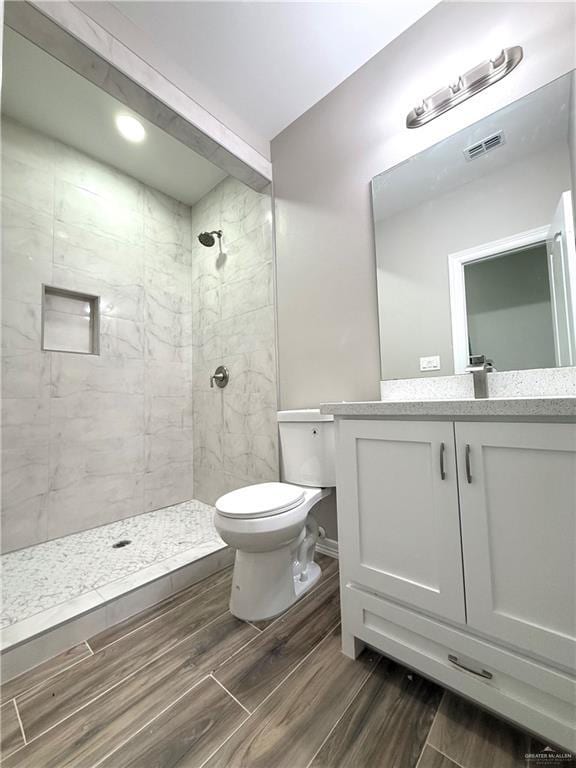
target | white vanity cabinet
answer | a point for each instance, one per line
(403, 538)
(518, 517)
(458, 557)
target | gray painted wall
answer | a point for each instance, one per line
(324, 161)
(328, 343)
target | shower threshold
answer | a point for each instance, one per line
(59, 591)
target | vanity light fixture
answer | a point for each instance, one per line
(130, 128)
(465, 86)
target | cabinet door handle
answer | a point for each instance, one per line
(442, 470)
(468, 468)
(480, 672)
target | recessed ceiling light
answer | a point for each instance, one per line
(131, 128)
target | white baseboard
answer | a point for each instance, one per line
(328, 547)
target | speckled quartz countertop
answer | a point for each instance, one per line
(522, 408)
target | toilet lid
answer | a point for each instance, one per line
(260, 500)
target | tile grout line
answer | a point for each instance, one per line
(244, 645)
(269, 627)
(149, 722)
(339, 720)
(155, 658)
(427, 741)
(50, 677)
(253, 625)
(230, 694)
(273, 691)
(123, 680)
(147, 623)
(20, 723)
(451, 759)
(434, 719)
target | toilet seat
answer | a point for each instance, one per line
(262, 500)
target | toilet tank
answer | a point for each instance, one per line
(307, 448)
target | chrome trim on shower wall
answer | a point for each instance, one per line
(466, 85)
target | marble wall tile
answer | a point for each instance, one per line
(95, 416)
(167, 413)
(27, 237)
(250, 414)
(25, 473)
(22, 183)
(249, 250)
(83, 374)
(92, 438)
(97, 255)
(253, 373)
(95, 502)
(235, 429)
(81, 207)
(251, 289)
(168, 379)
(103, 180)
(250, 332)
(24, 523)
(21, 327)
(25, 421)
(25, 487)
(169, 482)
(121, 338)
(207, 344)
(174, 232)
(166, 447)
(163, 208)
(117, 299)
(28, 146)
(25, 374)
(242, 209)
(71, 463)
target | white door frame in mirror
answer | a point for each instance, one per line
(456, 263)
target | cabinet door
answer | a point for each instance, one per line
(398, 517)
(518, 512)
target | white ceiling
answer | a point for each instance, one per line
(269, 62)
(40, 92)
(531, 124)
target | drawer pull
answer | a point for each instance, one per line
(442, 470)
(480, 672)
(468, 467)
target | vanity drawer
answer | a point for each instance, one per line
(537, 697)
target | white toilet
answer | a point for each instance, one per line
(270, 524)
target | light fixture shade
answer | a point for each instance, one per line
(130, 128)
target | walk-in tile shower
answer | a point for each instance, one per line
(115, 317)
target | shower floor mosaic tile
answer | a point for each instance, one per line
(42, 577)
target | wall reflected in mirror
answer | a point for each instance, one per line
(475, 244)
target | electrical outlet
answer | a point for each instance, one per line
(431, 363)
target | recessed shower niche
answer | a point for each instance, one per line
(70, 321)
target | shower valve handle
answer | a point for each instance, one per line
(221, 376)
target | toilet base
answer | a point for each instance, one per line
(265, 584)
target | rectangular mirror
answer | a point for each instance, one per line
(475, 244)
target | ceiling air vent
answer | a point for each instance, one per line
(481, 147)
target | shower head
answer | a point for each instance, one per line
(207, 238)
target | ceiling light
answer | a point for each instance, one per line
(131, 128)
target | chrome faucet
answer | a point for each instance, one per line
(479, 368)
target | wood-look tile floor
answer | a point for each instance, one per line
(184, 684)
